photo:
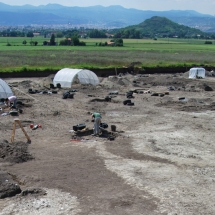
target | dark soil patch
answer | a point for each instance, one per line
(7, 186)
(98, 100)
(16, 152)
(190, 106)
(33, 191)
(123, 148)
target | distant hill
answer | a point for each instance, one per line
(97, 16)
(158, 27)
(161, 26)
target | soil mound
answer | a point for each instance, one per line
(14, 152)
(45, 82)
(7, 186)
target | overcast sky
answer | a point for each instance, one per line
(202, 6)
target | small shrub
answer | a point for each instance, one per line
(24, 42)
(66, 42)
(24, 69)
(82, 43)
(45, 43)
(208, 42)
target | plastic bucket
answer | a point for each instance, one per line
(113, 128)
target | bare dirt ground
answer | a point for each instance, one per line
(162, 160)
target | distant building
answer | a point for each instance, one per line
(36, 34)
(109, 35)
(110, 43)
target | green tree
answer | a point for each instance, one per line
(22, 34)
(70, 33)
(59, 34)
(45, 43)
(52, 40)
(66, 42)
(32, 43)
(118, 42)
(75, 41)
(13, 34)
(24, 42)
(82, 43)
(97, 34)
(30, 34)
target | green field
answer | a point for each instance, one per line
(150, 53)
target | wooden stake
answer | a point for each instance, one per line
(16, 121)
(13, 132)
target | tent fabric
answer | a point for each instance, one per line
(197, 73)
(5, 90)
(66, 77)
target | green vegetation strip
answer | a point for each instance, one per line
(150, 53)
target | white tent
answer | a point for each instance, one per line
(197, 73)
(66, 77)
(5, 90)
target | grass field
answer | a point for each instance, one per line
(151, 53)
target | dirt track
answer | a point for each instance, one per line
(161, 162)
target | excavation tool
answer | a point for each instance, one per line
(16, 121)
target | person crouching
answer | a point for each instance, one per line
(11, 100)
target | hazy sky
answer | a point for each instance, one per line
(202, 6)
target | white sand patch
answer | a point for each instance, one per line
(175, 189)
(54, 202)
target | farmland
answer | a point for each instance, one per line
(151, 53)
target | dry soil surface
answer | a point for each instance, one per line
(162, 160)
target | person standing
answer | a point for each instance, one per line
(97, 121)
(10, 100)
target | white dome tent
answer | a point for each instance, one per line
(197, 73)
(5, 90)
(66, 77)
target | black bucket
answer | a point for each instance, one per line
(79, 127)
(113, 128)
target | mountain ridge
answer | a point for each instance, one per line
(97, 16)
